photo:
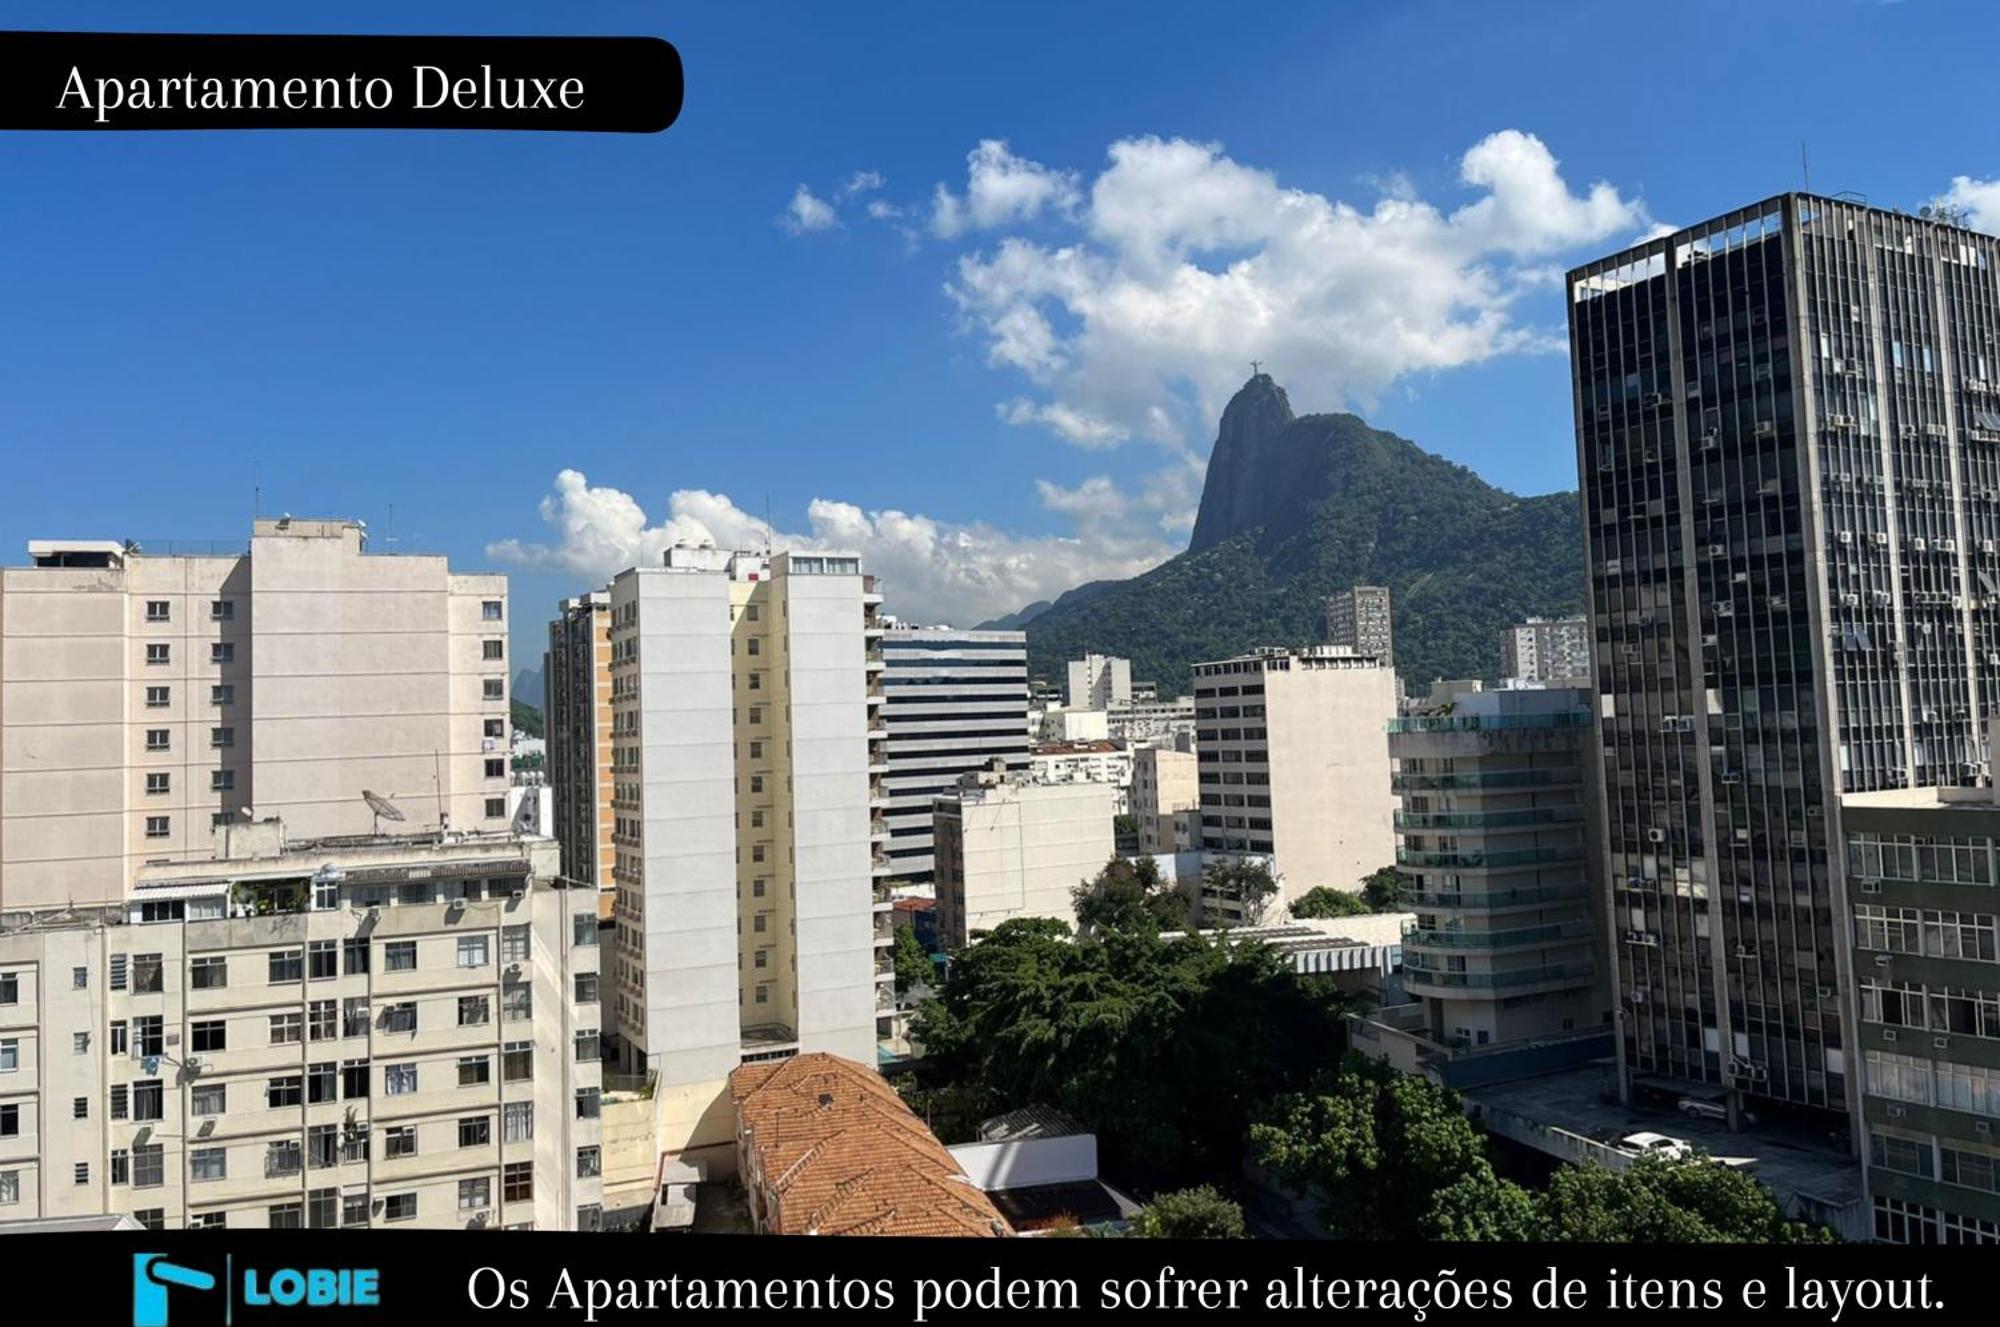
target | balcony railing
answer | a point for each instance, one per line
(1477, 723)
(1488, 981)
(1525, 815)
(1476, 860)
(1452, 938)
(1497, 778)
(1477, 899)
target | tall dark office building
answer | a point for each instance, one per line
(1789, 446)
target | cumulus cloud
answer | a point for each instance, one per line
(1978, 201)
(808, 212)
(1139, 316)
(1001, 188)
(931, 570)
(861, 182)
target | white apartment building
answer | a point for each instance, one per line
(1097, 682)
(1293, 755)
(1060, 723)
(1552, 650)
(146, 695)
(361, 1031)
(1164, 784)
(1150, 721)
(1009, 848)
(1085, 762)
(747, 753)
(953, 702)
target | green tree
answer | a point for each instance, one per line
(525, 717)
(1198, 1213)
(1373, 1144)
(1481, 1206)
(1129, 895)
(1383, 889)
(913, 963)
(1248, 883)
(1326, 901)
(1661, 1199)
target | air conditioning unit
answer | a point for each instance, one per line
(1986, 545)
(1656, 836)
(1850, 600)
(1879, 538)
(1725, 610)
(1881, 960)
(1652, 400)
(1896, 1112)
(1940, 1043)
(1840, 421)
(1845, 536)
(1947, 545)
(1919, 544)
(1826, 992)
(1718, 550)
(1764, 428)
(1982, 1126)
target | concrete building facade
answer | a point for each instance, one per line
(1293, 763)
(1009, 848)
(1359, 620)
(1494, 831)
(147, 695)
(577, 719)
(1164, 785)
(346, 1032)
(1549, 650)
(1097, 682)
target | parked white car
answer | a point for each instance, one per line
(1656, 1144)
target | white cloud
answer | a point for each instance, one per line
(808, 212)
(1977, 200)
(861, 182)
(931, 570)
(1001, 188)
(1139, 317)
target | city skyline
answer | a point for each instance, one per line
(626, 345)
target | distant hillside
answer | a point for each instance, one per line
(1296, 508)
(528, 685)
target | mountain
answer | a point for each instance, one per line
(528, 686)
(1067, 599)
(1297, 507)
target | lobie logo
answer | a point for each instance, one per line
(151, 1275)
(314, 1287)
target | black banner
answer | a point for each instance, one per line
(118, 81)
(187, 1279)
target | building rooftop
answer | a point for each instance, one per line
(1084, 747)
(1028, 1122)
(842, 1155)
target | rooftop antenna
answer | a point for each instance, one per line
(383, 808)
(1805, 171)
(257, 490)
(437, 786)
(767, 525)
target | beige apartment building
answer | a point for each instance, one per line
(577, 718)
(749, 844)
(1007, 847)
(1164, 784)
(146, 695)
(366, 1031)
(1293, 763)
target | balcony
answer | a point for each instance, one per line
(1520, 937)
(879, 864)
(1477, 860)
(1492, 900)
(1478, 779)
(1526, 815)
(1486, 723)
(1418, 980)
(871, 591)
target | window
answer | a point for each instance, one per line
(590, 1217)
(496, 808)
(209, 972)
(10, 988)
(589, 1162)
(586, 1046)
(587, 1100)
(286, 1090)
(399, 1141)
(208, 1163)
(81, 1172)
(474, 1070)
(517, 1002)
(400, 1017)
(399, 1080)
(10, 1055)
(354, 956)
(354, 1016)
(287, 1216)
(286, 965)
(208, 1099)
(496, 767)
(518, 1121)
(152, 1218)
(221, 738)
(472, 951)
(586, 987)
(209, 1035)
(79, 979)
(149, 1166)
(158, 698)
(354, 1079)
(399, 1207)
(323, 1209)
(121, 1101)
(490, 610)
(287, 1029)
(475, 1131)
(79, 1108)
(473, 1011)
(157, 784)
(222, 780)
(10, 1121)
(321, 1081)
(222, 693)
(158, 739)
(79, 1043)
(492, 649)
(517, 1182)
(354, 1208)
(159, 610)
(495, 689)
(222, 610)
(513, 944)
(583, 929)
(148, 1035)
(323, 956)
(10, 1187)
(517, 1061)
(475, 1193)
(495, 728)
(323, 1020)
(158, 827)
(221, 652)
(149, 1100)
(414, 894)
(399, 956)
(159, 653)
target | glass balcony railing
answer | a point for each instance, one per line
(1477, 778)
(1476, 900)
(1554, 933)
(1480, 723)
(1541, 974)
(1525, 815)
(1474, 859)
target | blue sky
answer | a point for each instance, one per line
(445, 322)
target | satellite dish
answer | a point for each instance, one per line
(383, 808)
